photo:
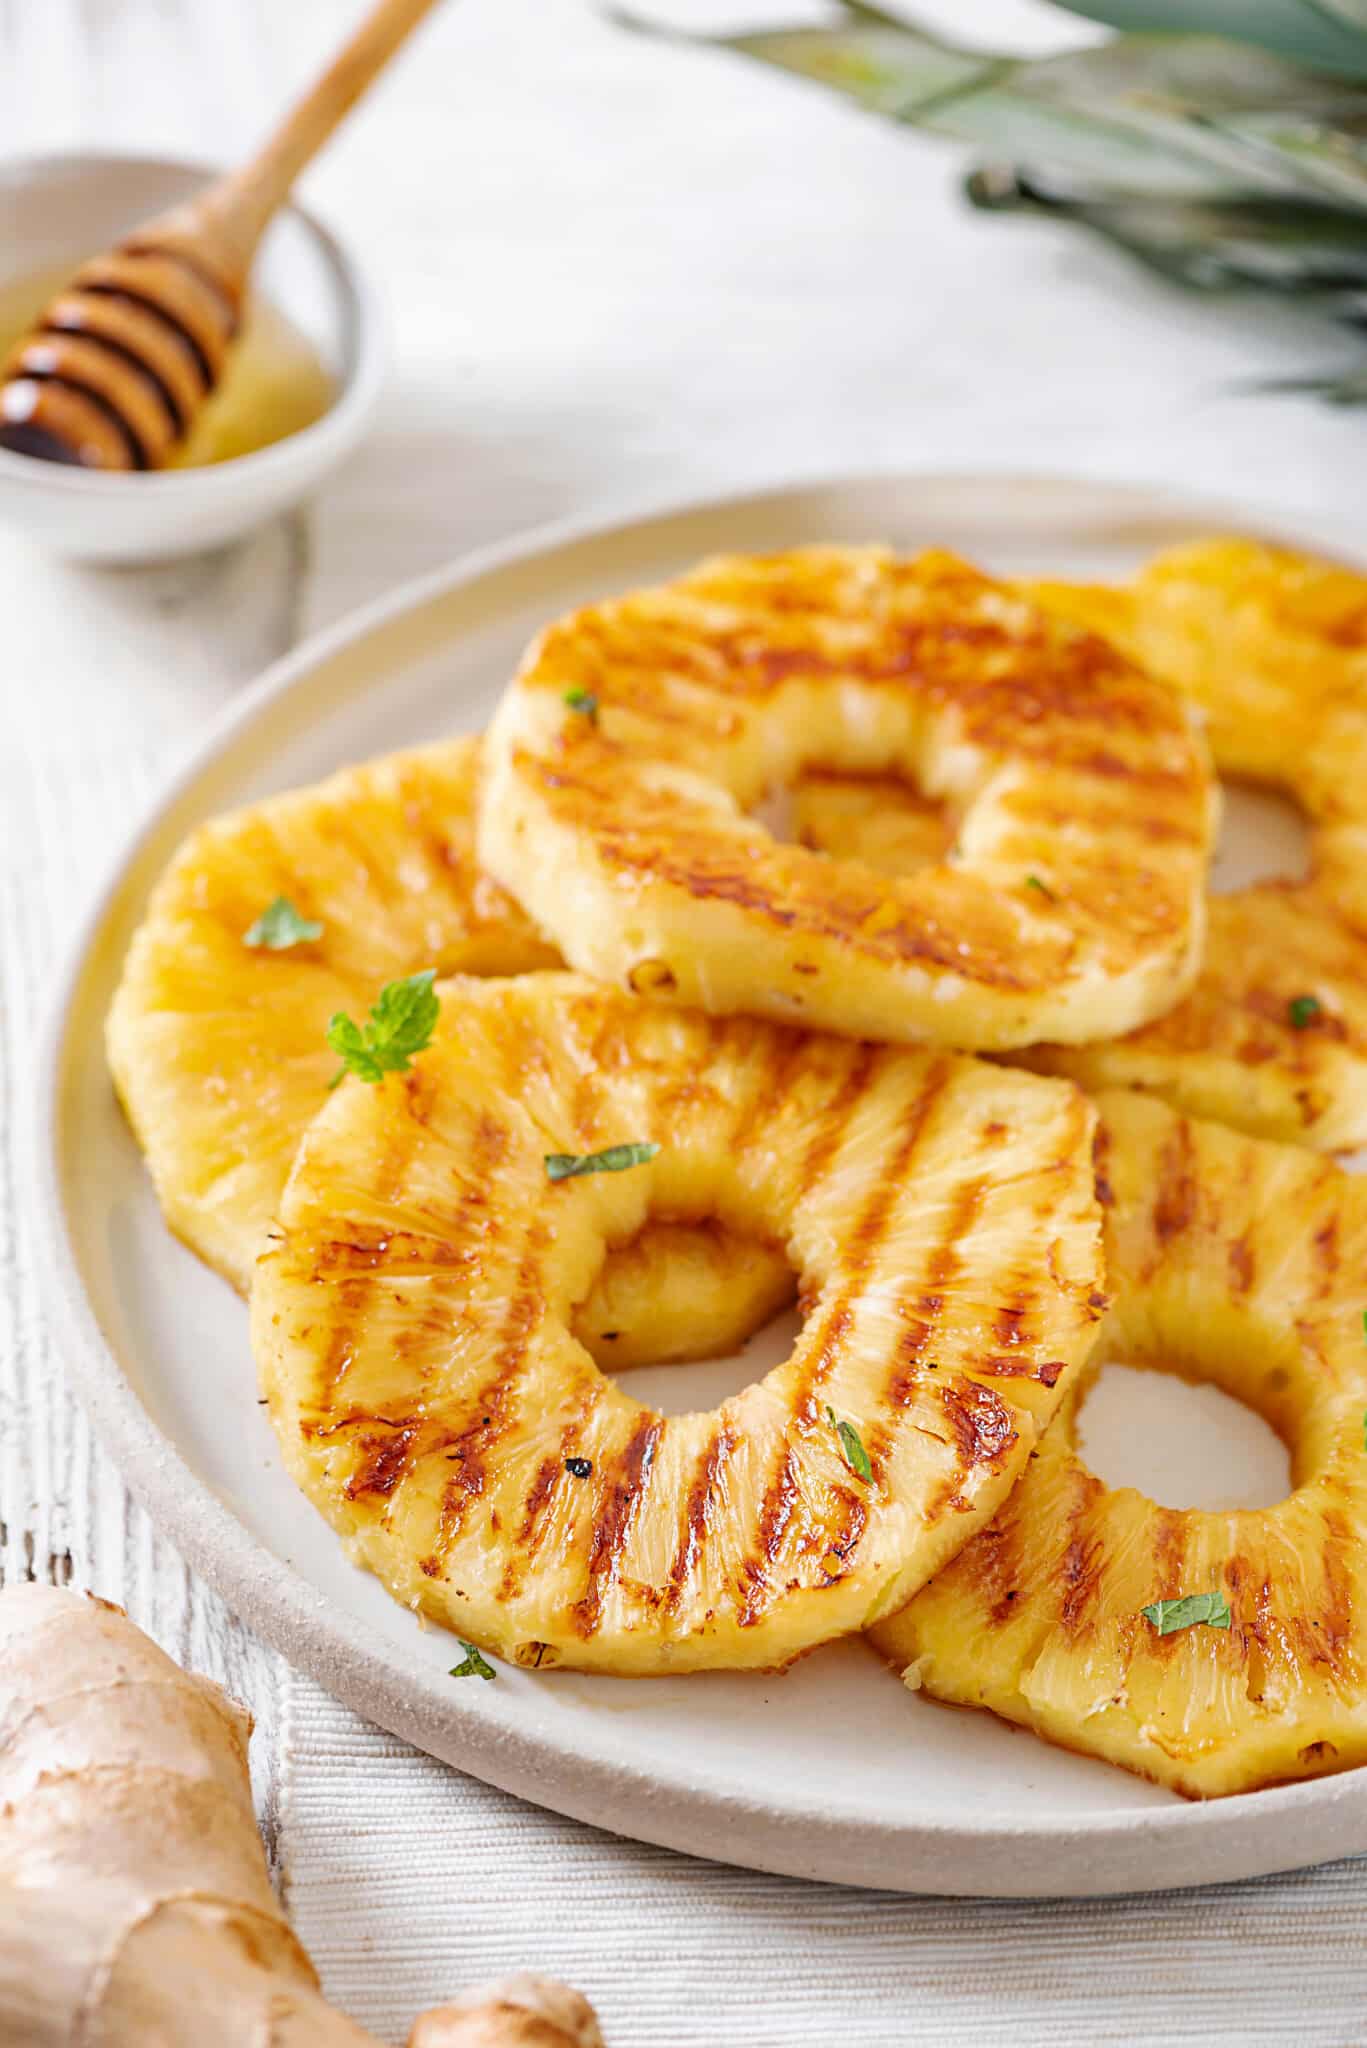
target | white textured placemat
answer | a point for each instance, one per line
(406, 1879)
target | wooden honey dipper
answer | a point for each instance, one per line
(118, 365)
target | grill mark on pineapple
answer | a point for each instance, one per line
(402, 1255)
(635, 659)
(1176, 1193)
(943, 1266)
(490, 1410)
(1326, 1256)
(665, 702)
(844, 1531)
(382, 1462)
(693, 1109)
(591, 1094)
(755, 1590)
(1047, 1372)
(706, 1484)
(260, 845)
(781, 1495)
(1011, 1325)
(983, 1426)
(1331, 1628)
(354, 1294)
(1167, 1532)
(1255, 1622)
(872, 1226)
(1101, 1166)
(833, 1121)
(788, 1055)
(916, 936)
(1241, 1265)
(347, 840)
(521, 1057)
(537, 1519)
(988, 1570)
(438, 818)
(1079, 1562)
(619, 1502)
(905, 1378)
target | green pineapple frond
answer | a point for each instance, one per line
(1222, 164)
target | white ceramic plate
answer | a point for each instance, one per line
(831, 1771)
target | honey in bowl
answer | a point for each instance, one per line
(274, 384)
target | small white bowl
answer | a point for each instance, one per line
(59, 209)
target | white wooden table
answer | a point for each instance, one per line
(618, 273)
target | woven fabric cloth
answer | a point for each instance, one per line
(406, 1878)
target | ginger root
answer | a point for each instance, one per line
(136, 1910)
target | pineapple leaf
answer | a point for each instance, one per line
(400, 1026)
(616, 1159)
(281, 926)
(1163, 112)
(1192, 1610)
(1335, 387)
(473, 1664)
(1293, 246)
(1351, 12)
(1323, 34)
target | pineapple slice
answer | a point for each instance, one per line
(218, 1047)
(413, 1324)
(1074, 906)
(1244, 1263)
(1270, 643)
(1273, 647)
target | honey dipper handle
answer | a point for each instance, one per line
(235, 211)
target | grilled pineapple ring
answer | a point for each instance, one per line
(218, 1048)
(1072, 908)
(1273, 646)
(1246, 1263)
(412, 1326)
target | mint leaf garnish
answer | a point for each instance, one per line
(472, 1665)
(400, 1025)
(281, 926)
(616, 1159)
(851, 1444)
(1193, 1609)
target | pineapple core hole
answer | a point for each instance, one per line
(688, 1311)
(1264, 837)
(686, 1386)
(1183, 1444)
(884, 821)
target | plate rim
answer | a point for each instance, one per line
(815, 1837)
